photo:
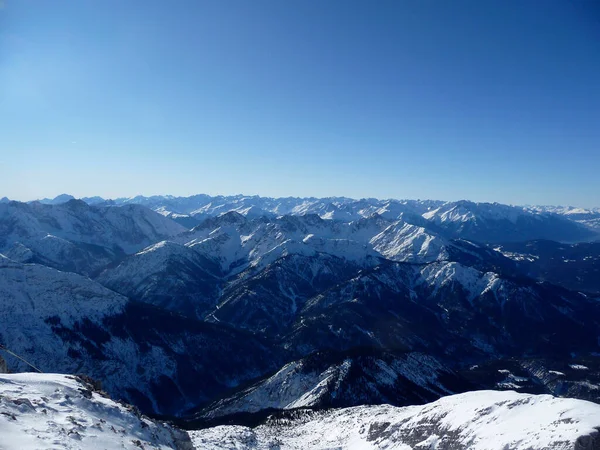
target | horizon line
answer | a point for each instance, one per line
(238, 196)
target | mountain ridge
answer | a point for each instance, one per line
(227, 303)
(460, 218)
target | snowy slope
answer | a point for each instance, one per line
(168, 275)
(30, 293)
(446, 307)
(52, 251)
(268, 300)
(39, 411)
(331, 208)
(62, 198)
(47, 411)
(405, 242)
(587, 217)
(481, 420)
(129, 228)
(494, 222)
(333, 380)
(238, 242)
(67, 323)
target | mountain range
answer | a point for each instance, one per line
(49, 411)
(212, 310)
(470, 220)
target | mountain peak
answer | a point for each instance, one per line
(62, 198)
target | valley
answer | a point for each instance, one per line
(251, 307)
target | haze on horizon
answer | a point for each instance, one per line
(486, 101)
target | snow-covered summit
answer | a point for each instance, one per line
(62, 198)
(130, 228)
(43, 411)
(481, 420)
(169, 275)
(405, 242)
(47, 411)
(488, 222)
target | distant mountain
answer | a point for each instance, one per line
(268, 303)
(576, 377)
(130, 228)
(268, 300)
(230, 262)
(482, 222)
(62, 198)
(182, 219)
(93, 200)
(326, 380)
(447, 309)
(493, 222)
(168, 275)
(63, 322)
(588, 217)
(247, 242)
(52, 251)
(76, 236)
(574, 266)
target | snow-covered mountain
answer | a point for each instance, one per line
(268, 301)
(325, 380)
(485, 222)
(239, 242)
(44, 411)
(494, 222)
(446, 308)
(53, 251)
(589, 217)
(72, 233)
(63, 322)
(131, 227)
(168, 275)
(257, 273)
(482, 420)
(39, 411)
(574, 266)
(571, 377)
(62, 198)
(238, 311)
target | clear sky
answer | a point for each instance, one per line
(495, 100)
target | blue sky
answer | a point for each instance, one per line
(484, 100)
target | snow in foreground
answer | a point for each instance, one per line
(42, 411)
(481, 420)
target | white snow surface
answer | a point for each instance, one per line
(294, 387)
(35, 297)
(50, 411)
(29, 292)
(238, 243)
(466, 211)
(474, 282)
(480, 420)
(405, 242)
(139, 269)
(131, 227)
(347, 209)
